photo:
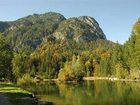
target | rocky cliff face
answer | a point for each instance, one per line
(79, 29)
(94, 26)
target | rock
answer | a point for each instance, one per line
(79, 29)
(94, 24)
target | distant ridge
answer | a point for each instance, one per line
(29, 31)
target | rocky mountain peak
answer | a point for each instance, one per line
(89, 20)
(82, 28)
(94, 24)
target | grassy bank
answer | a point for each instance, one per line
(16, 95)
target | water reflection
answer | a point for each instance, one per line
(89, 93)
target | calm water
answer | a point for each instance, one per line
(89, 93)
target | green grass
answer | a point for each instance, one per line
(16, 95)
(10, 88)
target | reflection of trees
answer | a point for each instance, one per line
(128, 93)
(45, 89)
(100, 93)
(91, 93)
(77, 94)
(104, 92)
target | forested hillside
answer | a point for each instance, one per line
(50, 46)
(28, 32)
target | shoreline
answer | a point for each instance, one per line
(109, 78)
(92, 79)
(95, 78)
(11, 93)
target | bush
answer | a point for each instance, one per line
(72, 71)
(25, 80)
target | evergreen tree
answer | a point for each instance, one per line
(6, 56)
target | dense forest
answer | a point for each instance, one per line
(49, 46)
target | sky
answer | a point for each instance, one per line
(115, 17)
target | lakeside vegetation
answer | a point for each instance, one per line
(67, 60)
(15, 95)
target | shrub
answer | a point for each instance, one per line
(72, 71)
(25, 80)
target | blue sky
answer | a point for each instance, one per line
(115, 17)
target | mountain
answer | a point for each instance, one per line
(29, 32)
(4, 26)
(83, 28)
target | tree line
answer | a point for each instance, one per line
(68, 60)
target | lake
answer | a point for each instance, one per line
(99, 92)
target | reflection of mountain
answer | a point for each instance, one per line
(91, 93)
